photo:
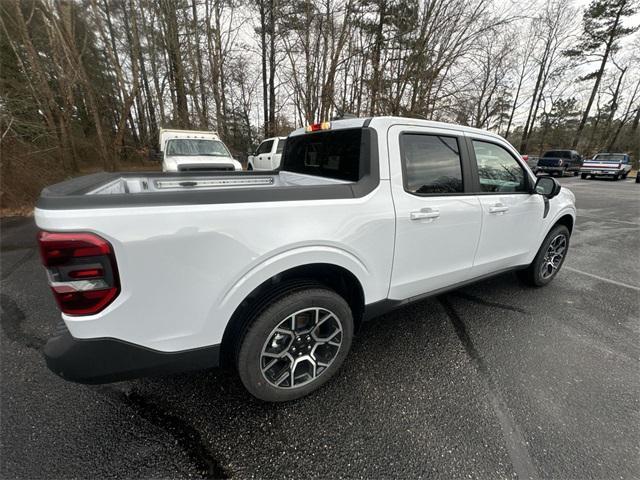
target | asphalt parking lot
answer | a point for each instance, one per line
(492, 381)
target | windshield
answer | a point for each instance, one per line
(557, 154)
(193, 147)
(609, 157)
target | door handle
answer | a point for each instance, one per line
(498, 208)
(425, 214)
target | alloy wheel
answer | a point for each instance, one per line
(554, 255)
(301, 348)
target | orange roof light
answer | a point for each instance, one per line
(315, 127)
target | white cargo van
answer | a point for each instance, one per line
(195, 151)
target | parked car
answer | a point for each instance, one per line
(268, 154)
(531, 160)
(559, 162)
(614, 165)
(194, 151)
(272, 273)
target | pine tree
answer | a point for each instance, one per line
(602, 30)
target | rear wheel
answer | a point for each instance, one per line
(295, 345)
(249, 167)
(549, 259)
(575, 173)
(583, 176)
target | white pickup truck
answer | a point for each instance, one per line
(273, 273)
(268, 154)
(194, 151)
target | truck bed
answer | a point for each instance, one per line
(156, 188)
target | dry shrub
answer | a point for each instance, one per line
(24, 171)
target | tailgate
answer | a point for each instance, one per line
(549, 162)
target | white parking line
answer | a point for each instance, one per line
(608, 280)
(582, 215)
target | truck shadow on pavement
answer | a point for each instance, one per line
(411, 370)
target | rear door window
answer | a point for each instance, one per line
(431, 164)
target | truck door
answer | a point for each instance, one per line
(437, 220)
(263, 155)
(512, 215)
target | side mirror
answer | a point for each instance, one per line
(547, 187)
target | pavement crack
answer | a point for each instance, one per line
(513, 437)
(6, 273)
(14, 248)
(186, 436)
(12, 322)
(487, 303)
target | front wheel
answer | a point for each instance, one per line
(549, 259)
(295, 345)
(624, 175)
(575, 174)
(583, 176)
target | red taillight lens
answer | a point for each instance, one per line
(82, 271)
(57, 248)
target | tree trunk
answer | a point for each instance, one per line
(175, 61)
(375, 61)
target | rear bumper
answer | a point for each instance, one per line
(601, 171)
(542, 168)
(104, 360)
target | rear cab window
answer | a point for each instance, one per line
(610, 157)
(557, 154)
(335, 154)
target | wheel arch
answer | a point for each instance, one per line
(330, 275)
(567, 220)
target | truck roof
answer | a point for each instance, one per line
(383, 122)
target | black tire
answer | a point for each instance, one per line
(249, 167)
(624, 176)
(575, 173)
(616, 177)
(250, 359)
(637, 178)
(533, 274)
(583, 176)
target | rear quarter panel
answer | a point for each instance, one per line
(185, 269)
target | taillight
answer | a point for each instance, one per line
(82, 271)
